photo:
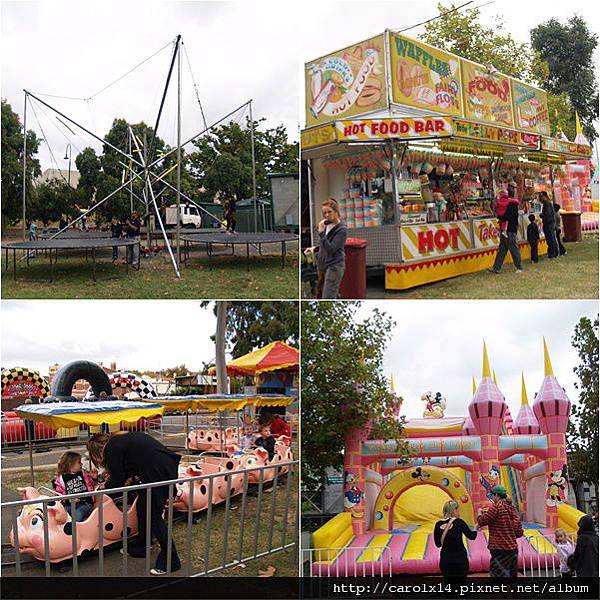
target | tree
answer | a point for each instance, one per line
(569, 52)
(582, 435)
(222, 161)
(343, 385)
(88, 165)
(12, 164)
(464, 35)
(252, 325)
(49, 201)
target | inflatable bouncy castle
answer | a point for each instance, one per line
(392, 503)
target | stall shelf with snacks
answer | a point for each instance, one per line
(415, 143)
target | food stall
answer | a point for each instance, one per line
(415, 144)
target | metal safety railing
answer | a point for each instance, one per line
(539, 557)
(243, 523)
(351, 561)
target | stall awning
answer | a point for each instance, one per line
(73, 414)
(215, 402)
(276, 356)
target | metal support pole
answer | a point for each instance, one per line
(178, 195)
(253, 170)
(146, 182)
(130, 179)
(24, 164)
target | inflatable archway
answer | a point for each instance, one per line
(69, 374)
(130, 381)
(383, 515)
(20, 382)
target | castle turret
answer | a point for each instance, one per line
(525, 423)
(468, 425)
(487, 407)
(486, 410)
(551, 406)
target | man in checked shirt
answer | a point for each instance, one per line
(504, 528)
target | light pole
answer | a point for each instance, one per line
(68, 151)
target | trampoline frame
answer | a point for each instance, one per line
(189, 240)
(31, 247)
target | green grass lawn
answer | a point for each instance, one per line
(574, 275)
(156, 279)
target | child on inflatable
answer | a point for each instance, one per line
(564, 547)
(265, 440)
(72, 478)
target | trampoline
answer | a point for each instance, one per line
(221, 238)
(70, 234)
(53, 246)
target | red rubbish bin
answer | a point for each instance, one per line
(354, 282)
(571, 225)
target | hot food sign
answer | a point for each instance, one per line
(407, 128)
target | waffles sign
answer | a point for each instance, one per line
(409, 128)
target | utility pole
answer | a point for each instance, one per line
(178, 196)
(146, 195)
(129, 175)
(220, 366)
(24, 216)
(253, 170)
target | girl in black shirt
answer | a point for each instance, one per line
(447, 535)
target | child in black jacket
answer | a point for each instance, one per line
(533, 237)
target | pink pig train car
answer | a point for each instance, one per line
(30, 523)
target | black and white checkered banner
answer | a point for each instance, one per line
(129, 381)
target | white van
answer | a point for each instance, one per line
(190, 216)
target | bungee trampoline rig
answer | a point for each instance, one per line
(142, 163)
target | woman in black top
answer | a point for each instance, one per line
(585, 557)
(137, 456)
(447, 535)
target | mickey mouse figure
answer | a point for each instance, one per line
(555, 487)
(419, 474)
(434, 405)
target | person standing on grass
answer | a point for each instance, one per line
(504, 528)
(508, 242)
(448, 536)
(549, 225)
(585, 557)
(133, 228)
(533, 237)
(136, 456)
(558, 228)
(330, 254)
(116, 231)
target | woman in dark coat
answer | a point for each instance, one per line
(448, 535)
(585, 557)
(137, 456)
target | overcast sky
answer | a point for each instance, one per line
(237, 50)
(437, 346)
(136, 334)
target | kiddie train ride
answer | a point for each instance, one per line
(391, 505)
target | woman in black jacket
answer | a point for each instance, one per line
(585, 557)
(331, 258)
(549, 224)
(129, 456)
(448, 535)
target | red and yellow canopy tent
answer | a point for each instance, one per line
(276, 356)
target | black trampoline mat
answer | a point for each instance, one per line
(74, 234)
(220, 237)
(71, 244)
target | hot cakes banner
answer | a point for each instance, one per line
(352, 82)
(346, 83)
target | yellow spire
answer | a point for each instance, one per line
(524, 400)
(485, 372)
(547, 364)
(494, 377)
(474, 385)
(392, 383)
(578, 124)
